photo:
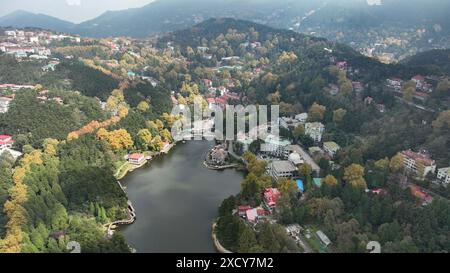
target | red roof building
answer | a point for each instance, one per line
(243, 209)
(6, 141)
(419, 78)
(271, 196)
(136, 159)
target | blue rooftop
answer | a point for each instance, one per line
(300, 185)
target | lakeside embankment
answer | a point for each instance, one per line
(216, 241)
(126, 167)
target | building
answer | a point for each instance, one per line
(418, 163)
(242, 210)
(288, 123)
(421, 195)
(323, 238)
(15, 154)
(305, 157)
(136, 159)
(315, 150)
(6, 141)
(296, 159)
(282, 169)
(302, 117)
(317, 182)
(271, 197)
(395, 84)
(444, 175)
(4, 104)
(419, 80)
(255, 214)
(315, 130)
(274, 146)
(331, 148)
(219, 155)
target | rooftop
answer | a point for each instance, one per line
(317, 182)
(423, 158)
(283, 166)
(136, 156)
(315, 125)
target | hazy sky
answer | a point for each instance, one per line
(71, 10)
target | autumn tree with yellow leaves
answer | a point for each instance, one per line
(354, 175)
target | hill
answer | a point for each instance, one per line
(24, 19)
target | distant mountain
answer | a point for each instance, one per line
(169, 15)
(23, 19)
(323, 17)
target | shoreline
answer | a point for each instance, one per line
(135, 167)
(218, 246)
(131, 210)
(218, 168)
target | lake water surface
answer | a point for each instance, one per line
(176, 199)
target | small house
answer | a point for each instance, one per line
(136, 159)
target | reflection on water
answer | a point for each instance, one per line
(176, 199)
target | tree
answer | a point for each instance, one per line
(287, 187)
(299, 131)
(317, 112)
(382, 164)
(354, 175)
(396, 163)
(408, 90)
(330, 180)
(157, 143)
(166, 135)
(145, 137)
(305, 170)
(274, 98)
(247, 240)
(50, 146)
(123, 111)
(227, 206)
(339, 115)
(442, 122)
(102, 134)
(143, 106)
(346, 87)
(443, 87)
(120, 139)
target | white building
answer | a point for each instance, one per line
(274, 146)
(323, 238)
(296, 159)
(444, 175)
(418, 163)
(4, 104)
(315, 130)
(15, 154)
(302, 117)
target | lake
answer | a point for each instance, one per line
(176, 199)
